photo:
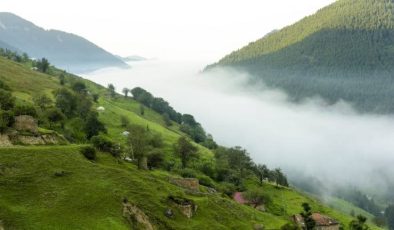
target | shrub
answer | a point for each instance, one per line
(6, 120)
(124, 121)
(25, 110)
(89, 152)
(227, 188)
(106, 145)
(206, 181)
(188, 173)
(156, 140)
(7, 101)
(155, 158)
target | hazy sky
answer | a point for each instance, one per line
(170, 29)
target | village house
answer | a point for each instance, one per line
(322, 222)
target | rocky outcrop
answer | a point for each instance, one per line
(5, 141)
(26, 123)
(187, 183)
(136, 217)
(187, 207)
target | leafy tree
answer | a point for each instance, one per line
(54, 115)
(125, 92)
(167, 120)
(79, 87)
(186, 150)
(62, 79)
(66, 102)
(307, 216)
(43, 101)
(359, 223)
(261, 172)
(280, 178)
(389, 214)
(43, 65)
(111, 89)
(257, 197)
(138, 141)
(155, 158)
(93, 126)
(7, 101)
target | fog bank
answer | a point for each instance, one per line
(333, 143)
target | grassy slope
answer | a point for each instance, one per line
(89, 197)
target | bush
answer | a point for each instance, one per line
(106, 145)
(206, 181)
(124, 121)
(6, 120)
(155, 140)
(187, 173)
(227, 188)
(155, 159)
(89, 152)
(7, 101)
(25, 110)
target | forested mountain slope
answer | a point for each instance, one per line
(344, 51)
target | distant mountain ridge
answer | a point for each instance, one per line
(66, 50)
(344, 51)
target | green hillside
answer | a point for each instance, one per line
(344, 51)
(56, 187)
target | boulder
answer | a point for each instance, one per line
(187, 183)
(26, 123)
(5, 141)
(169, 213)
(136, 217)
(187, 207)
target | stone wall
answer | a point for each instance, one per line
(26, 123)
(187, 183)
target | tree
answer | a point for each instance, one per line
(167, 120)
(7, 101)
(43, 65)
(79, 87)
(138, 141)
(186, 150)
(155, 158)
(66, 102)
(93, 126)
(280, 178)
(125, 92)
(111, 89)
(359, 223)
(389, 214)
(62, 79)
(54, 115)
(261, 172)
(257, 197)
(307, 216)
(43, 101)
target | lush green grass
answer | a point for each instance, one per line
(89, 195)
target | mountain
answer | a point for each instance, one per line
(68, 51)
(344, 51)
(4, 45)
(55, 186)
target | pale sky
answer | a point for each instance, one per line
(171, 29)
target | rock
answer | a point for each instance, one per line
(136, 217)
(211, 190)
(30, 140)
(187, 207)
(187, 183)
(169, 213)
(5, 141)
(26, 123)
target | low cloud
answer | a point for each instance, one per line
(330, 142)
